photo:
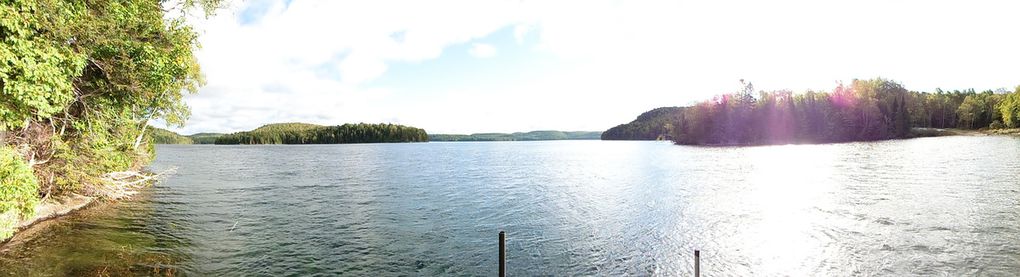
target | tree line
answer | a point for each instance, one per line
(163, 136)
(862, 110)
(302, 133)
(651, 125)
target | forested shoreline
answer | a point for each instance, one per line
(303, 133)
(651, 125)
(863, 110)
(79, 83)
(163, 136)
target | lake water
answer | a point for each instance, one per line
(948, 205)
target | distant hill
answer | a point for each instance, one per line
(651, 125)
(288, 126)
(519, 136)
(204, 138)
(163, 136)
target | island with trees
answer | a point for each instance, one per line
(862, 110)
(304, 133)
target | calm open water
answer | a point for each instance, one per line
(948, 205)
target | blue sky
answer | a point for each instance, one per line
(505, 66)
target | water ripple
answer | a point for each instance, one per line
(909, 207)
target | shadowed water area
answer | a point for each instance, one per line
(904, 207)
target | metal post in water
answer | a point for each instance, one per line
(697, 263)
(502, 254)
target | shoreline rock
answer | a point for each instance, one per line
(121, 185)
(50, 209)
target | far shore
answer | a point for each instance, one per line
(934, 132)
(1011, 132)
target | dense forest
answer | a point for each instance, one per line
(303, 133)
(519, 136)
(79, 82)
(204, 138)
(651, 125)
(862, 110)
(163, 136)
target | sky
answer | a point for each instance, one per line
(507, 66)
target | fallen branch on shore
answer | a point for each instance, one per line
(126, 183)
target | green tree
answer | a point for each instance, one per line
(79, 81)
(37, 71)
(1010, 109)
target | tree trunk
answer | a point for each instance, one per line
(138, 140)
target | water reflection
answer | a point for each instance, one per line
(787, 185)
(911, 207)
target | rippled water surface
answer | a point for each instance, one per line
(927, 206)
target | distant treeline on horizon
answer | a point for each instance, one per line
(864, 110)
(163, 136)
(300, 133)
(519, 136)
(304, 133)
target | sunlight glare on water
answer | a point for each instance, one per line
(928, 206)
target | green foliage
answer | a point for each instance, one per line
(79, 81)
(18, 190)
(104, 146)
(74, 57)
(519, 136)
(1010, 109)
(864, 110)
(302, 133)
(138, 60)
(945, 109)
(163, 136)
(979, 110)
(650, 125)
(204, 138)
(287, 127)
(36, 71)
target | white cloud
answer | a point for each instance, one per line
(520, 31)
(308, 61)
(315, 60)
(482, 50)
